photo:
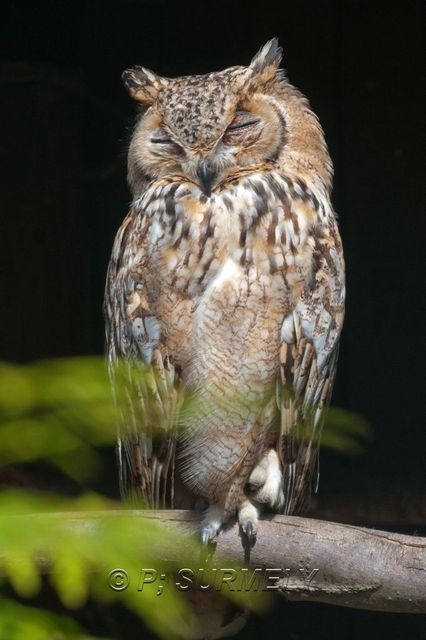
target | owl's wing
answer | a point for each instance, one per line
(308, 357)
(143, 378)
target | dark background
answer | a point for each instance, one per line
(66, 121)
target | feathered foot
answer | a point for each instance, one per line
(265, 484)
(248, 519)
(211, 524)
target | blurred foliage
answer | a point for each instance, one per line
(344, 431)
(21, 622)
(61, 409)
(62, 412)
(49, 534)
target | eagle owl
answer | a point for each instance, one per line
(225, 293)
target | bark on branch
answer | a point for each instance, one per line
(356, 567)
(318, 561)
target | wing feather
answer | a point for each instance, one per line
(143, 378)
(308, 357)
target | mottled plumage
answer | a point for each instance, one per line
(227, 276)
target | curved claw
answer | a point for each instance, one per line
(208, 544)
(211, 524)
(250, 532)
(248, 519)
(205, 536)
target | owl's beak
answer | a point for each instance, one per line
(206, 174)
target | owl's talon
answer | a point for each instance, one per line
(211, 525)
(250, 532)
(247, 517)
(204, 537)
(208, 544)
(207, 536)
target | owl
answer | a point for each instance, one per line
(225, 294)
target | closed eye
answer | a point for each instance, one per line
(243, 130)
(162, 141)
(243, 125)
(170, 145)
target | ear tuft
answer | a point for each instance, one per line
(266, 61)
(142, 84)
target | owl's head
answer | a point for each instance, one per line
(205, 128)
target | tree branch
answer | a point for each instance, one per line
(315, 560)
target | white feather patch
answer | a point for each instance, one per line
(230, 272)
